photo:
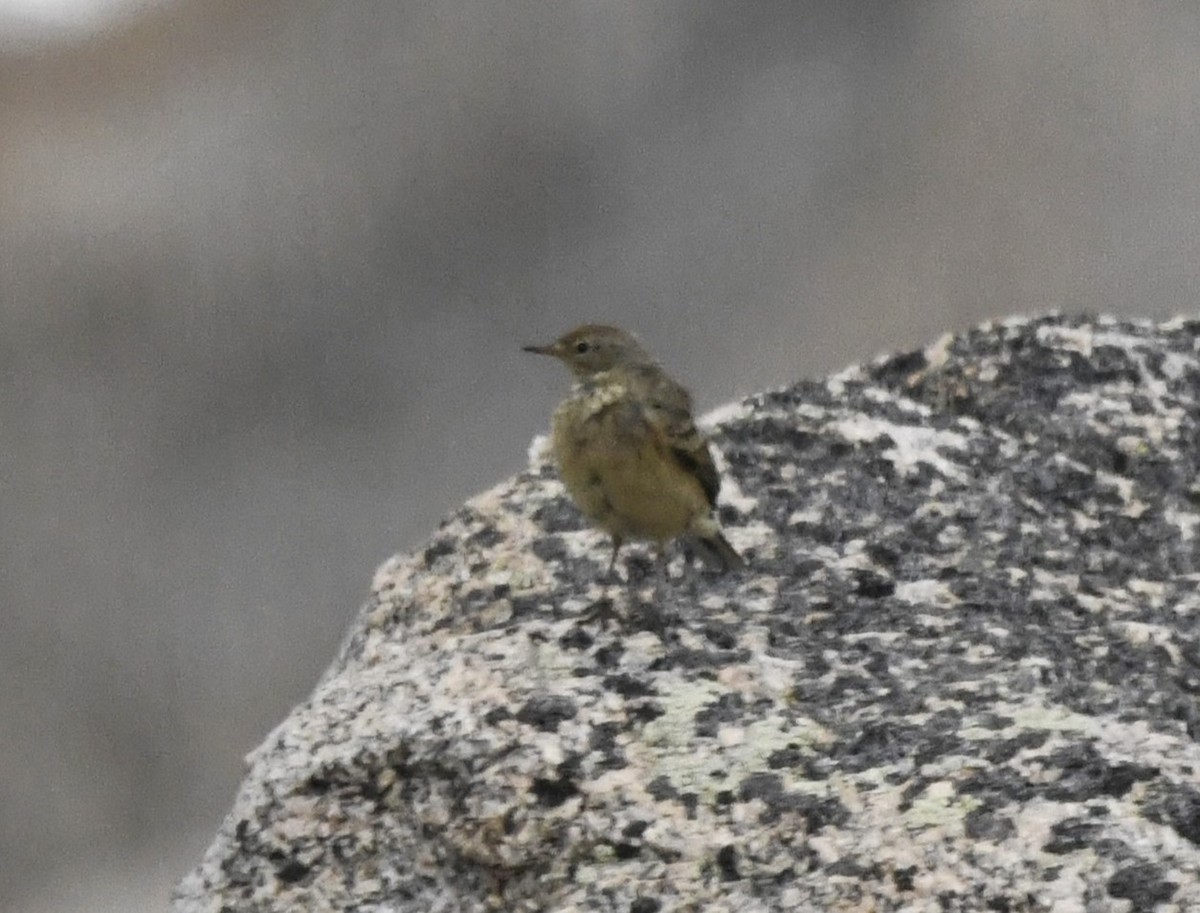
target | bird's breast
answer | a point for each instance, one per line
(615, 465)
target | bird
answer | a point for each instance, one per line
(628, 450)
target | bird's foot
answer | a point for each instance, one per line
(601, 612)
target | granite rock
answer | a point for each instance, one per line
(962, 673)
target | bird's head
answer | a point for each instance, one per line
(592, 349)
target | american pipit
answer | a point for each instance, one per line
(628, 449)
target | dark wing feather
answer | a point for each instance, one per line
(671, 408)
(699, 462)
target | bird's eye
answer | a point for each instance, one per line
(582, 347)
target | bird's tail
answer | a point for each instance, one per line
(717, 553)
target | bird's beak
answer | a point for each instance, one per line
(539, 350)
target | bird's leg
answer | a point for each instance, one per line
(612, 562)
(662, 576)
(605, 608)
(664, 560)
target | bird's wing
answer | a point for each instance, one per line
(669, 408)
(693, 454)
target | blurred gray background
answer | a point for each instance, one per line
(265, 270)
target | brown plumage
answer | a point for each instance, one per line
(628, 449)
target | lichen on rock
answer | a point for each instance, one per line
(962, 672)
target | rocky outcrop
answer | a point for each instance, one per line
(962, 673)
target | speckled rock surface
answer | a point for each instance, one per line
(963, 673)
